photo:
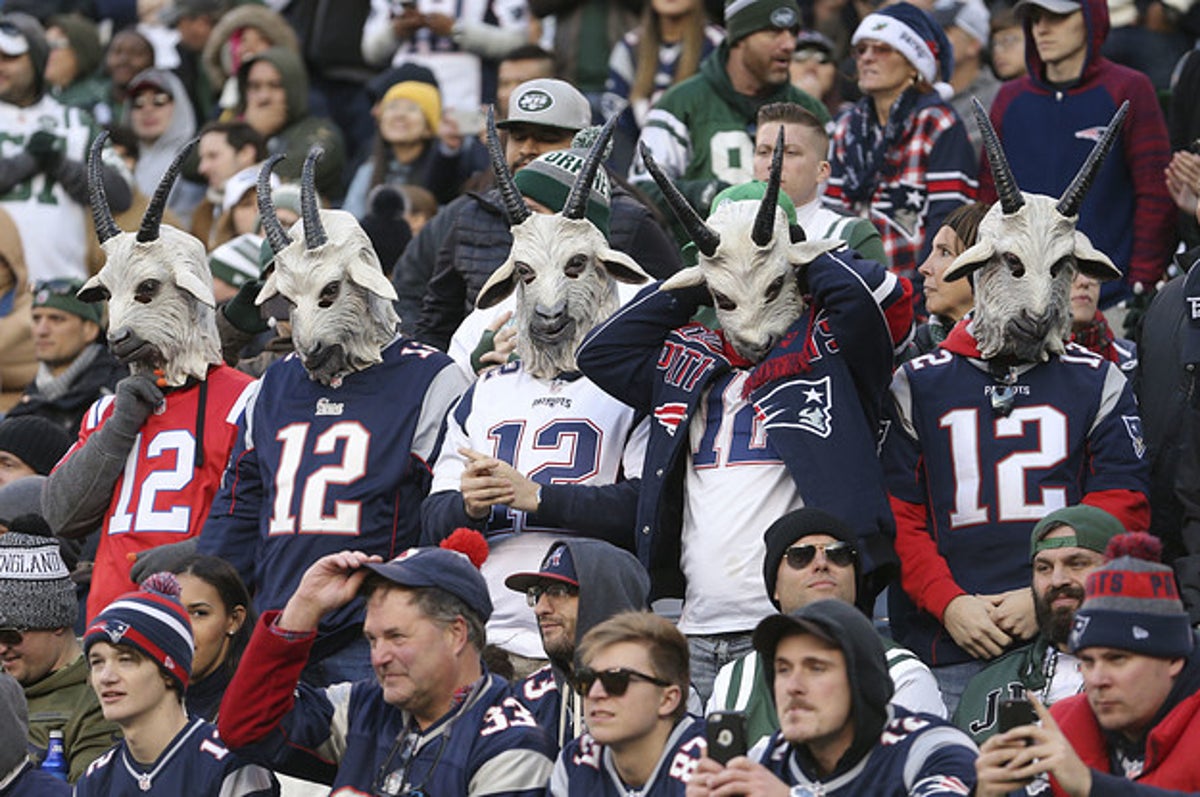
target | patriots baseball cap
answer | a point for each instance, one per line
(548, 102)
(1053, 6)
(449, 570)
(556, 566)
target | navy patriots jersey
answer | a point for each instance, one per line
(585, 767)
(982, 478)
(918, 755)
(318, 469)
(195, 763)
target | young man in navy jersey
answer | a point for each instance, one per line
(640, 739)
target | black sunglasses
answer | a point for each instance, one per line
(615, 682)
(841, 554)
(552, 591)
(11, 637)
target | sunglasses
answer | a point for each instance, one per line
(879, 48)
(146, 100)
(615, 682)
(841, 554)
(11, 637)
(552, 591)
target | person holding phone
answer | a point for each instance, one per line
(838, 734)
(633, 676)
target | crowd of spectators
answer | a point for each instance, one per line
(599, 397)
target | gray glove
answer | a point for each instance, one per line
(137, 396)
(170, 558)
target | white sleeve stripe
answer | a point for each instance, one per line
(243, 398)
(512, 770)
(749, 676)
(1110, 394)
(670, 123)
(928, 743)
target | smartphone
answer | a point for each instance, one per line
(726, 735)
(1015, 713)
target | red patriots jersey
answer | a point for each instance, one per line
(163, 496)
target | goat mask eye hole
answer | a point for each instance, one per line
(525, 273)
(575, 266)
(723, 301)
(329, 294)
(1014, 264)
(774, 289)
(146, 291)
(1057, 268)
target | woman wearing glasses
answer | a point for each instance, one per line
(640, 740)
(161, 116)
(901, 156)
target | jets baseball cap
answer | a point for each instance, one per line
(1053, 6)
(550, 103)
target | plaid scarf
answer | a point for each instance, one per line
(1096, 337)
(866, 149)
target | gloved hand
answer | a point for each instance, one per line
(1135, 311)
(47, 149)
(164, 557)
(243, 313)
(136, 397)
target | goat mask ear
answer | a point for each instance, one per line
(804, 252)
(269, 289)
(498, 286)
(622, 267)
(971, 259)
(1092, 261)
(685, 278)
(94, 290)
(192, 284)
(365, 272)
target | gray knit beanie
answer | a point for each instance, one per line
(743, 17)
(36, 592)
(14, 724)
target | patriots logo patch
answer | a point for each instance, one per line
(115, 629)
(803, 404)
(670, 415)
(1133, 425)
(939, 784)
(1092, 134)
(1078, 627)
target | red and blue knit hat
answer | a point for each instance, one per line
(1133, 604)
(153, 620)
(915, 35)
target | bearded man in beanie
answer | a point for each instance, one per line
(43, 181)
(839, 736)
(74, 366)
(433, 721)
(701, 131)
(1139, 717)
(139, 651)
(1066, 547)
(38, 609)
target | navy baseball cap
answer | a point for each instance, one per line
(556, 566)
(441, 568)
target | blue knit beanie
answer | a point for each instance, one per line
(915, 35)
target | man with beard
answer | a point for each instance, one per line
(580, 584)
(1067, 545)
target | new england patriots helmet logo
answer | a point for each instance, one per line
(670, 415)
(115, 629)
(804, 404)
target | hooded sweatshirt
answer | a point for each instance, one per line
(300, 131)
(154, 157)
(18, 363)
(1048, 131)
(892, 751)
(611, 580)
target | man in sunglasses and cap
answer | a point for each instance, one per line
(811, 557)
(433, 721)
(838, 733)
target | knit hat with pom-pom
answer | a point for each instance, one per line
(153, 620)
(453, 567)
(1133, 604)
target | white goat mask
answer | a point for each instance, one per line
(746, 259)
(157, 282)
(1027, 253)
(560, 267)
(342, 313)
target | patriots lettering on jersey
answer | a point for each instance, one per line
(670, 415)
(684, 365)
(939, 784)
(327, 407)
(553, 402)
(815, 402)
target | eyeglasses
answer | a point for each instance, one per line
(146, 100)
(615, 681)
(820, 56)
(880, 49)
(11, 637)
(841, 554)
(552, 591)
(58, 287)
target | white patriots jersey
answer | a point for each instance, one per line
(561, 431)
(735, 486)
(53, 226)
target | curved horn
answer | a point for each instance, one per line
(1010, 196)
(152, 218)
(310, 211)
(514, 203)
(276, 235)
(1072, 198)
(764, 222)
(102, 217)
(576, 204)
(706, 238)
